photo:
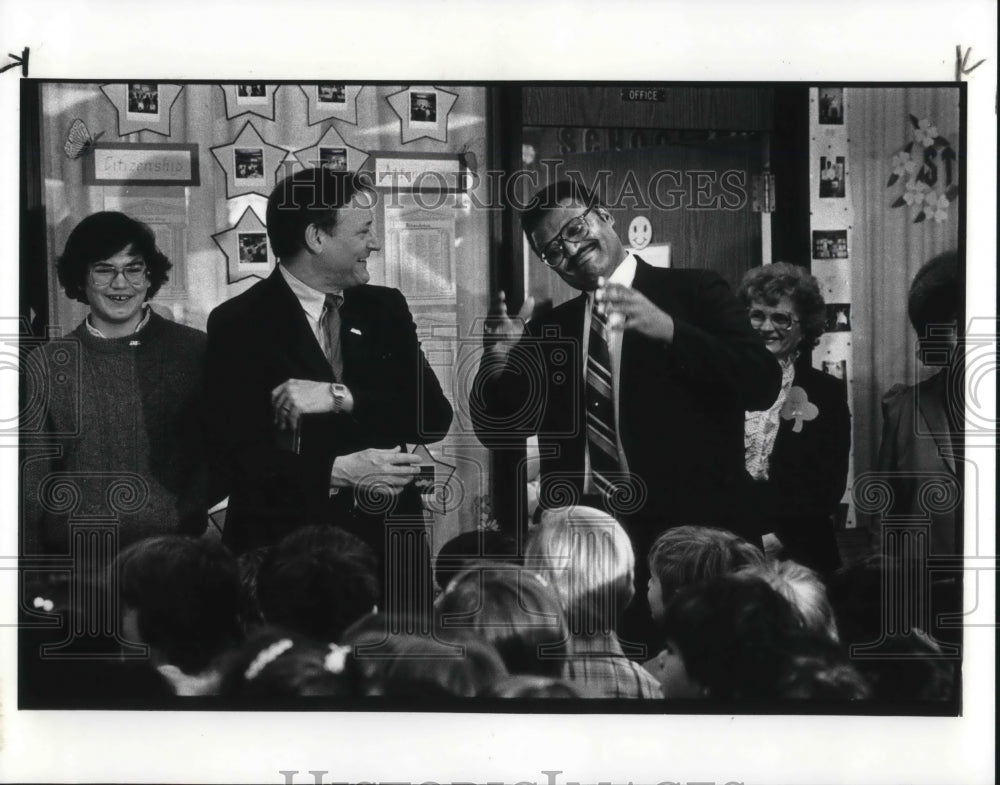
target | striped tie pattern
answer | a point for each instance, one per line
(602, 439)
(329, 322)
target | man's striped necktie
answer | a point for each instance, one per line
(602, 437)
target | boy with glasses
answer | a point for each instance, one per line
(121, 400)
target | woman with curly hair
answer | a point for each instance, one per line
(796, 450)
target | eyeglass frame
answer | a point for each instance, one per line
(562, 240)
(769, 317)
(122, 271)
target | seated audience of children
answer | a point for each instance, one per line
(736, 629)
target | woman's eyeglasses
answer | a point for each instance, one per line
(104, 274)
(574, 230)
(779, 319)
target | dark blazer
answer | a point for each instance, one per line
(260, 339)
(681, 407)
(921, 448)
(808, 474)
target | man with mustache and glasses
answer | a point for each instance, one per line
(648, 422)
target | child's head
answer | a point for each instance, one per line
(473, 546)
(688, 554)
(729, 634)
(274, 665)
(181, 597)
(512, 608)
(317, 582)
(399, 665)
(817, 669)
(587, 556)
(805, 592)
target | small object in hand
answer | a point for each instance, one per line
(426, 477)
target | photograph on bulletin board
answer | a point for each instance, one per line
(832, 171)
(830, 244)
(838, 317)
(831, 106)
(143, 101)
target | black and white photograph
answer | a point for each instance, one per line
(334, 158)
(831, 105)
(253, 247)
(835, 368)
(143, 100)
(830, 244)
(580, 516)
(838, 317)
(251, 93)
(327, 93)
(423, 107)
(249, 163)
(832, 172)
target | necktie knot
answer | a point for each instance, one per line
(333, 302)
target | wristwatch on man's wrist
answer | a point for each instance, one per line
(339, 394)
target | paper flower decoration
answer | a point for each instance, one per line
(923, 165)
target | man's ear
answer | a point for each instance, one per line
(314, 238)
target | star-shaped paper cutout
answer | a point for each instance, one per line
(243, 98)
(245, 246)
(437, 492)
(328, 101)
(250, 163)
(332, 151)
(138, 115)
(798, 407)
(410, 101)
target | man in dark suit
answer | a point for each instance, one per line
(316, 380)
(658, 436)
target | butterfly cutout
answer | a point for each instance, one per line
(79, 142)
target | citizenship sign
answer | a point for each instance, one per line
(142, 164)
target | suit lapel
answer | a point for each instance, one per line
(290, 331)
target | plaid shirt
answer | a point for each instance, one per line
(605, 672)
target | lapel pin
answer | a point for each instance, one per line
(356, 331)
